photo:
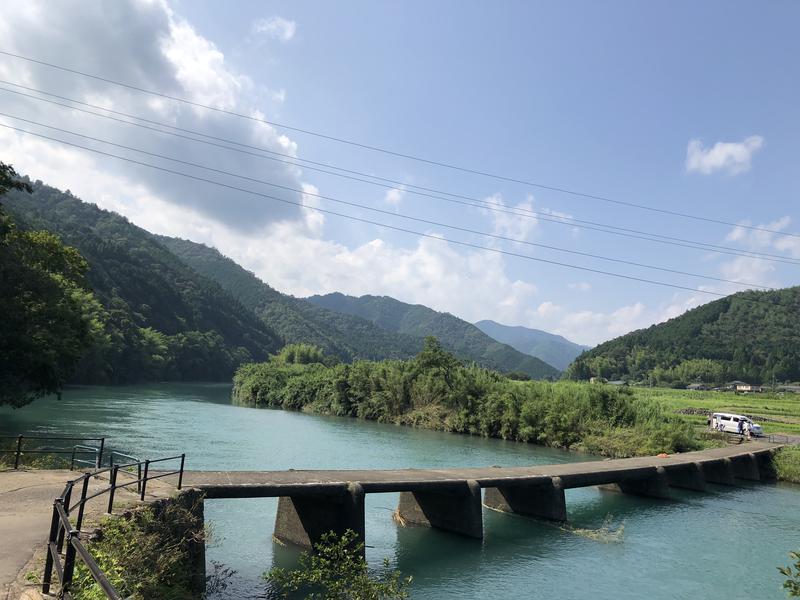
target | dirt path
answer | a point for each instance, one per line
(26, 509)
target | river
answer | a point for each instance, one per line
(722, 544)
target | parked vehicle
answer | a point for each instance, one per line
(729, 423)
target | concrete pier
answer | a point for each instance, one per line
(719, 471)
(688, 477)
(303, 520)
(542, 500)
(453, 507)
(746, 467)
(655, 485)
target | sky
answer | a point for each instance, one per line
(583, 109)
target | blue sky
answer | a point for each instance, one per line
(687, 106)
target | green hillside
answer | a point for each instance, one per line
(750, 336)
(162, 319)
(344, 336)
(456, 335)
(553, 349)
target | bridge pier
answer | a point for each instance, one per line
(451, 507)
(719, 471)
(303, 520)
(766, 468)
(746, 467)
(688, 477)
(652, 486)
(542, 500)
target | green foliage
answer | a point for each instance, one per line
(792, 574)
(750, 336)
(787, 464)
(145, 555)
(302, 354)
(459, 337)
(156, 319)
(49, 316)
(436, 391)
(338, 571)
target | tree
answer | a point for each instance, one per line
(338, 571)
(792, 573)
(49, 316)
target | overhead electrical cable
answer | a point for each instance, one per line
(369, 221)
(495, 206)
(382, 211)
(390, 152)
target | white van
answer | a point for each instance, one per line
(729, 423)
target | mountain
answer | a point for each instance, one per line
(456, 335)
(553, 349)
(296, 320)
(163, 320)
(751, 336)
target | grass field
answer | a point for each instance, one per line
(784, 408)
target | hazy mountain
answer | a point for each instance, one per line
(553, 349)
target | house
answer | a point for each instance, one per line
(742, 387)
(698, 387)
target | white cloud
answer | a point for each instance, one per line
(580, 286)
(731, 157)
(394, 196)
(587, 326)
(276, 27)
(156, 49)
(512, 222)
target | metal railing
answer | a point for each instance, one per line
(79, 449)
(63, 531)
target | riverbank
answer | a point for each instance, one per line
(435, 391)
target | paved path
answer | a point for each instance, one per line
(231, 484)
(26, 509)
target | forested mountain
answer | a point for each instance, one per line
(456, 335)
(750, 336)
(162, 320)
(296, 320)
(553, 349)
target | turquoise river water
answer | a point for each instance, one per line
(722, 544)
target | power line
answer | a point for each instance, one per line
(494, 206)
(377, 223)
(396, 153)
(385, 212)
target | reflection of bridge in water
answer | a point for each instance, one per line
(312, 503)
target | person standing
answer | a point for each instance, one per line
(740, 427)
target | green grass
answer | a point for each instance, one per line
(784, 408)
(787, 464)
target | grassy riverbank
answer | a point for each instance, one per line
(787, 464)
(435, 391)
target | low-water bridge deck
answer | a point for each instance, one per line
(315, 502)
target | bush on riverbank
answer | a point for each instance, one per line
(436, 391)
(151, 552)
(787, 464)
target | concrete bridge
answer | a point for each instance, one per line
(312, 503)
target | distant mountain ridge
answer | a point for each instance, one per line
(456, 335)
(344, 336)
(553, 349)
